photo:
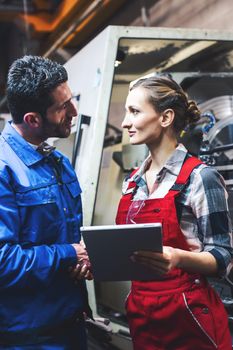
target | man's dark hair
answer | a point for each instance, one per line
(30, 81)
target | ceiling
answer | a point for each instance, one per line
(51, 28)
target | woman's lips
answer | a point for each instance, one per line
(131, 133)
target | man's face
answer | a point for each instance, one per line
(59, 116)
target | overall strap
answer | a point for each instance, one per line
(189, 164)
(133, 172)
(132, 184)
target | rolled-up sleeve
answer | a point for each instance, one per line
(210, 207)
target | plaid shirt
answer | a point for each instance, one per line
(202, 207)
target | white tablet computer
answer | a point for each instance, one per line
(110, 247)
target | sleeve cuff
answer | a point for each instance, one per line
(67, 255)
(220, 262)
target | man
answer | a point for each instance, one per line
(42, 263)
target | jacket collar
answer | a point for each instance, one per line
(21, 147)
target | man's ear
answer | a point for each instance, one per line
(32, 119)
(167, 117)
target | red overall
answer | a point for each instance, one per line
(179, 311)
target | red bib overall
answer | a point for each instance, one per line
(179, 311)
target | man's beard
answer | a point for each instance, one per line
(55, 130)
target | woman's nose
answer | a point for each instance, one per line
(126, 123)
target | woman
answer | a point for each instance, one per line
(178, 310)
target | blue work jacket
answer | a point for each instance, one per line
(40, 216)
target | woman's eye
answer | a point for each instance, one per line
(134, 111)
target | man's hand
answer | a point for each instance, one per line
(83, 267)
(80, 251)
(81, 271)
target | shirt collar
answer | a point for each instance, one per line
(173, 164)
(45, 148)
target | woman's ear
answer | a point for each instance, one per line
(32, 119)
(167, 117)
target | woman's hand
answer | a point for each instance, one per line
(193, 262)
(161, 263)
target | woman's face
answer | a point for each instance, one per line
(141, 120)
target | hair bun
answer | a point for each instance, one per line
(193, 113)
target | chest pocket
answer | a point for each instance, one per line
(40, 216)
(35, 197)
(74, 188)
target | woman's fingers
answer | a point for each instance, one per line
(159, 262)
